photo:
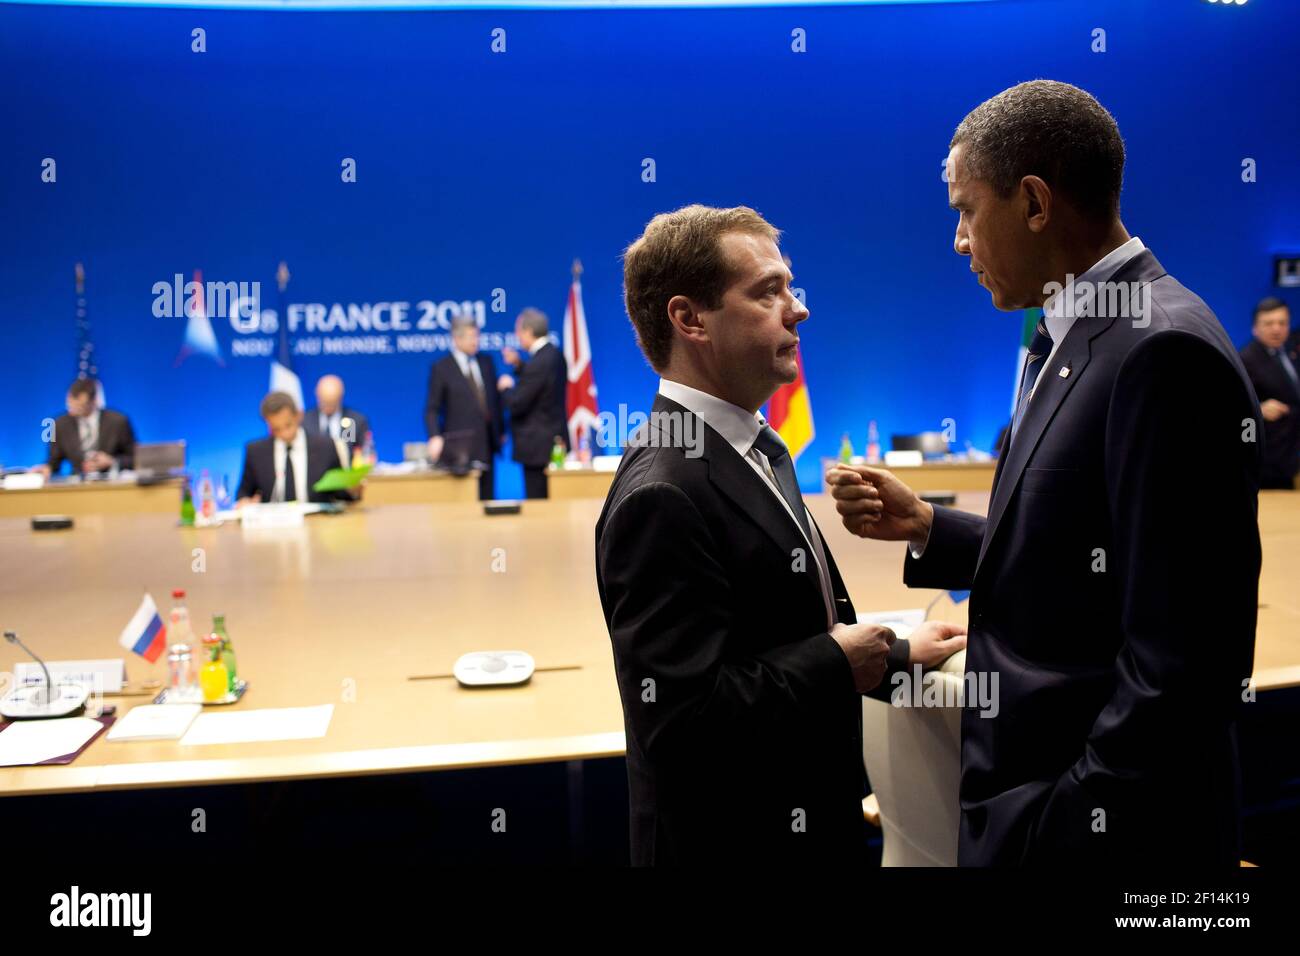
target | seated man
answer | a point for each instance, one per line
(288, 463)
(335, 420)
(90, 438)
(1272, 362)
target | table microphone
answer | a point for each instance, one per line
(47, 701)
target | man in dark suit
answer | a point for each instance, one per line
(91, 439)
(535, 398)
(464, 404)
(739, 657)
(286, 465)
(333, 419)
(1114, 583)
(1272, 360)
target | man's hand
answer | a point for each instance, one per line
(934, 642)
(43, 470)
(509, 356)
(96, 461)
(874, 504)
(866, 646)
(255, 499)
(1273, 409)
(505, 383)
(435, 447)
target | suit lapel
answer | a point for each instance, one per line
(737, 481)
(1072, 358)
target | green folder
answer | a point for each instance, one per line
(342, 479)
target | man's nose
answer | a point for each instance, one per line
(961, 243)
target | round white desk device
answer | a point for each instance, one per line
(41, 700)
(493, 668)
(35, 700)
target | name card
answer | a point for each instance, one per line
(98, 677)
(25, 481)
(281, 515)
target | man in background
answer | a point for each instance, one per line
(464, 402)
(333, 419)
(1272, 359)
(536, 400)
(90, 438)
(286, 464)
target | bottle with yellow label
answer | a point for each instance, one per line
(214, 679)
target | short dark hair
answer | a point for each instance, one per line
(1052, 130)
(1268, 304)
(534, 320)
(84, 388)
(680, 253)
(276, 402)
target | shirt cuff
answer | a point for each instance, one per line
(918, 547)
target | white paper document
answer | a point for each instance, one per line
(155, 722)
(35, 741)
(251, 726)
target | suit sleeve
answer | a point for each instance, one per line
(57, 457)
(247, 483)
(1187, 556)
(126, 455)
(674, 628)
(433, 404)
(498, 415)
(532, 382)
(950, 555)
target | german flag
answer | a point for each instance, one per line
(790, 413)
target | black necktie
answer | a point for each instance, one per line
(778, 457)
(1288, 367)
(290, 489)
(1040, 346)
(477, 389)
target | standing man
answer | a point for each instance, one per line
(331, 418)
(1114, 583)
(286, 464)
(536, 400)
(1272, 360)
(89, 438)
(739, 657)
(464, 402)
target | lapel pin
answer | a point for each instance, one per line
(1064, 372)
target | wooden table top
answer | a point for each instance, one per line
(346, 609)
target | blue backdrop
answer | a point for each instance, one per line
(478, 171)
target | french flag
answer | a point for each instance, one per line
(146, 634)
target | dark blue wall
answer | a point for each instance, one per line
(479, 171)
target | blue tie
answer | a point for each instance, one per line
(1288, 367)
(1040, 346)
(778, 457)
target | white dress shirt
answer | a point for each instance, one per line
(740, 429)
(1059, 319)
(332, 425)
(88, 431)
(468, 366)
(299, 452)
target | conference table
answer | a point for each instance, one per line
(126, 496)
(368, 610)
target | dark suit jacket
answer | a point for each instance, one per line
(1282, 437)
(536, 406)
(752, 716)
(311, 422)
(116, 438)
(1114, 589)
(259, 468)
(452, 408)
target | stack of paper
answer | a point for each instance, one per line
(155, 722)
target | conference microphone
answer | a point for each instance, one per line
(36, 702)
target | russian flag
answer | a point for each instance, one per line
(146, 635)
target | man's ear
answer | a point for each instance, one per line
(1036, 197)
(685, 317)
